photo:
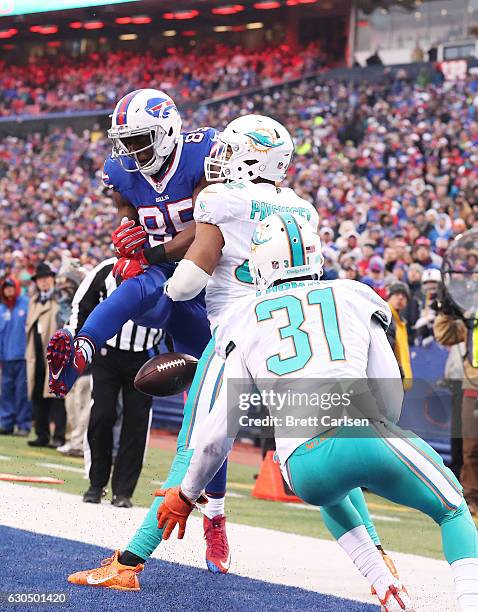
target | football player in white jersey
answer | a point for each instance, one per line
(306, 329)
(251, 160)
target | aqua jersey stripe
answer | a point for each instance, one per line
(295, 239)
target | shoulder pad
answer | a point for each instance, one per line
(114, 177)
(212, 205)
(373, 306)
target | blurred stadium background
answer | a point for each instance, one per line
(380, 97)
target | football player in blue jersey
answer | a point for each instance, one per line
(155, 173)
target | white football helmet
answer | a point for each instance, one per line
(284, 246)
(250, 147)
(150, 113)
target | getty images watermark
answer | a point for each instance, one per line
(283, 402)
(305, 408)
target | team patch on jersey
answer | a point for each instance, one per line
(160, 107)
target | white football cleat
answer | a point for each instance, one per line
(396, 599)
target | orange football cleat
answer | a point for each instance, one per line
(396, 599)
(110, 575)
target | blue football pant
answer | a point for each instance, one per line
(209, 372)
(393, 464)
(142, 300)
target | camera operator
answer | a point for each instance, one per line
(455, 323)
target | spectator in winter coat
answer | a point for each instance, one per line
(41, 325)
(15, 409)
(398, 296)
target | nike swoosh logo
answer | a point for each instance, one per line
(227, 563)
(56, 376)
(91, 580)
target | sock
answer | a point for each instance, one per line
(128, 558)
(214, 507)
(359, 546)
(465, 575)
(86, 347)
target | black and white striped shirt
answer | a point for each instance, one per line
(95, 287)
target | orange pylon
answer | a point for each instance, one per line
(270, 483)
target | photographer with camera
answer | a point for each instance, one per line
(456, 323)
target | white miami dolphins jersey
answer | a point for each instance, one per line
(325, 331)
(236, 208)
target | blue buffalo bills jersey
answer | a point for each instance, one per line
(164, 201)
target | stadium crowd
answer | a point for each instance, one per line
(391, 167)
(69, 84)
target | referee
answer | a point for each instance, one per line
(113, 369)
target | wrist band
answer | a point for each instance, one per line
(156, 255)
(185, 499)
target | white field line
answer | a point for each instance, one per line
(377, 517)
(257, 552)
(64, 468)
(228, 494)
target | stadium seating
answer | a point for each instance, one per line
(96, 81)
(391, 161)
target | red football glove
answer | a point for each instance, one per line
(129, 267)
(175, 510)
(128, 237)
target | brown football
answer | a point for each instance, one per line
(166, 374)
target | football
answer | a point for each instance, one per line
(166, 374)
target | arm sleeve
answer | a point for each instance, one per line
(218, 431)
(384, 374)
(187, 281)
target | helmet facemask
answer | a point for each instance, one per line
(249, 154)
(121, 151)
(231, 159)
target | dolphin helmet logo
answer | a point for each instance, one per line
(263, 140)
